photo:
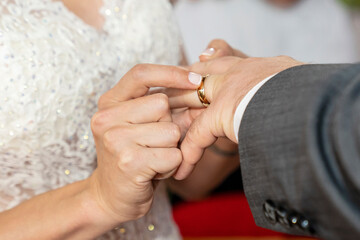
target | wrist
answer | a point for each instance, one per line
(232, 120)
(95, 210)
(242, 103)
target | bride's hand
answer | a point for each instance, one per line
(136, 140)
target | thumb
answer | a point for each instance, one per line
(201, 135)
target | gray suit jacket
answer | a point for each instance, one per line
(299, 144)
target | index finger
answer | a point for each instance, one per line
(140, 78)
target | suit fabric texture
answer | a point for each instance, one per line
(299, 144)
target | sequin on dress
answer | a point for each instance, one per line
(53, 68)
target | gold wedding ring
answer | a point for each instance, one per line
(201, 92)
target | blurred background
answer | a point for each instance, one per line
(321, 31)
(313, 31)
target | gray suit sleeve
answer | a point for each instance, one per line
(299, 145)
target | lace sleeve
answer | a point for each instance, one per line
(46, 102)
(53, 68)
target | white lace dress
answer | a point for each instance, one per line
(53, 68)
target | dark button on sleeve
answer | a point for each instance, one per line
(269, 211)
(282, 216)
(306, 225)
(293, 219)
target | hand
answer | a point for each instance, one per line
(230, 80)
(183, 117)
(136, 140)
(219, 48)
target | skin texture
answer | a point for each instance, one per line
(210, 172)
(213, 168)
(136, 139)
(230, 79)
(86, 209)
(87, 10)
(136, 143)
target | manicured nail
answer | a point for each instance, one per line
(208, 52)
(195, 78)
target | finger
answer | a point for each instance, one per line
(144, 164)
(215, 49)
(180, 95)
(152, 108)
(162, 162)
(184, 119)
(201, 135)
(139, 79)
(215, 66)
(185, 98)
(219, 48)
(178, 110)
(157, 135)
(150, 135)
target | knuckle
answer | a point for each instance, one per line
(139, 179)
(191, 142)
(162, 101)
(102, 101)
(177, 157)
(139, 70)
(253, 61)
(175, 131)
(113, 139)
(285, 58)
(250, 60)
(97, 122)
(191, 136)
(109, 141)
(126, 158)
(290, 58)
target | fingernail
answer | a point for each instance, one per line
(208, 52)
(195, 78)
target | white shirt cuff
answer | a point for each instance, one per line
(239, 113)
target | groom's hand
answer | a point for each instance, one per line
(230, 80)
(219, 48)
